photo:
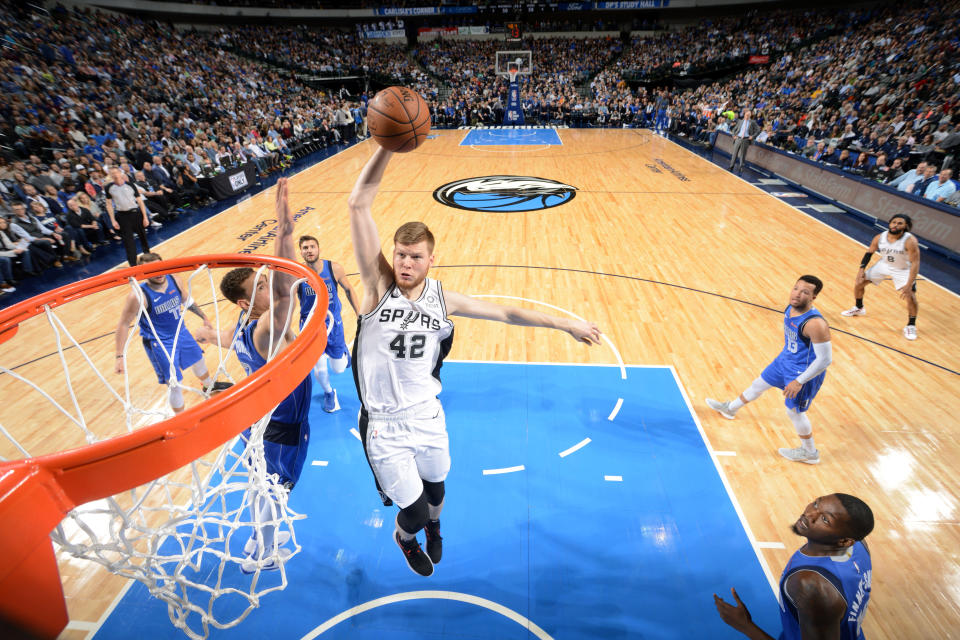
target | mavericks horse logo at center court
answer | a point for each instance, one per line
(504, 193)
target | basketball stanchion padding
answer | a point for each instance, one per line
(37, 493)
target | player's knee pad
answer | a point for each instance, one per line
(414, 517)
(800, 422)
(176, 396)
(434, 492)
(339, 365)
(757, 387)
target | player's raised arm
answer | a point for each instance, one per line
(341, 277)
(459, 304)
(366, 240)
(282, 283)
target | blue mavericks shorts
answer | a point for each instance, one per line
(779, 375)
(285, 450)
(336, 343)
(188, 354)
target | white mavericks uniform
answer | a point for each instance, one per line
(893, 262)
(397, 355)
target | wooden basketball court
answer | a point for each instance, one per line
(681, 264)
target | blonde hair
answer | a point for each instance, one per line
(412, 233)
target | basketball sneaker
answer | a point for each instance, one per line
(251, 545)
(222, 385)
(801, 455)
(268, 563)
(434, 541)
(910, 332)
(416, 559)
(330, 401)
(855, 311)
(722, 407)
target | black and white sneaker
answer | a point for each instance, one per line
(434, 541)
(220, 386)
(416, 559)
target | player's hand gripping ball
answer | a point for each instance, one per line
(398, 119)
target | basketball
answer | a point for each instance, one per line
(398, 119)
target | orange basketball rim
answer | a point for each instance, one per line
(36, 493)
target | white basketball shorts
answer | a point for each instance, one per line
(408, 447)
(880, 272)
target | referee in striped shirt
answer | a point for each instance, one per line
(128, 213)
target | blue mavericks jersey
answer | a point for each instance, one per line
(308, 296)
(164, 310)
(797, 351)
(850, 574)
(295, 408)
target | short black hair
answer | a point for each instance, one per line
(232, 284)
(307, 239)
(861, 516)
(815, 281)
(905, 218)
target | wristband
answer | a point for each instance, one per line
(866, 259)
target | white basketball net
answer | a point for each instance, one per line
(182, 535)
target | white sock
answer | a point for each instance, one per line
(735, 405)
(322, 374)
(807, 444)
(265, 514)
(406, 537)
(433, 512)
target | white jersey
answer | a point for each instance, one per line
(399, 349)
(894, 254)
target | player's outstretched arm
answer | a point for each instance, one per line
(874, 247)
(129, 313)
(739, 617)
(194, 307)
(373, 266)
(282, 283)
(459, 304)
(341, 277)
(818, 331)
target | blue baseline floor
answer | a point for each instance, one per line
(579, 556)
(485, 137)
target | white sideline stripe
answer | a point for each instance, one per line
(623, 369)
(81, 626)
(771, 545)
(725, 453)
(558, 364)
(319, 463)
(726, 485)
(356, 434)
(113, 605)
(808, 187)
(613, 478)
(527, 624)
(576, 447)
(493, 472)
(616, 409)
